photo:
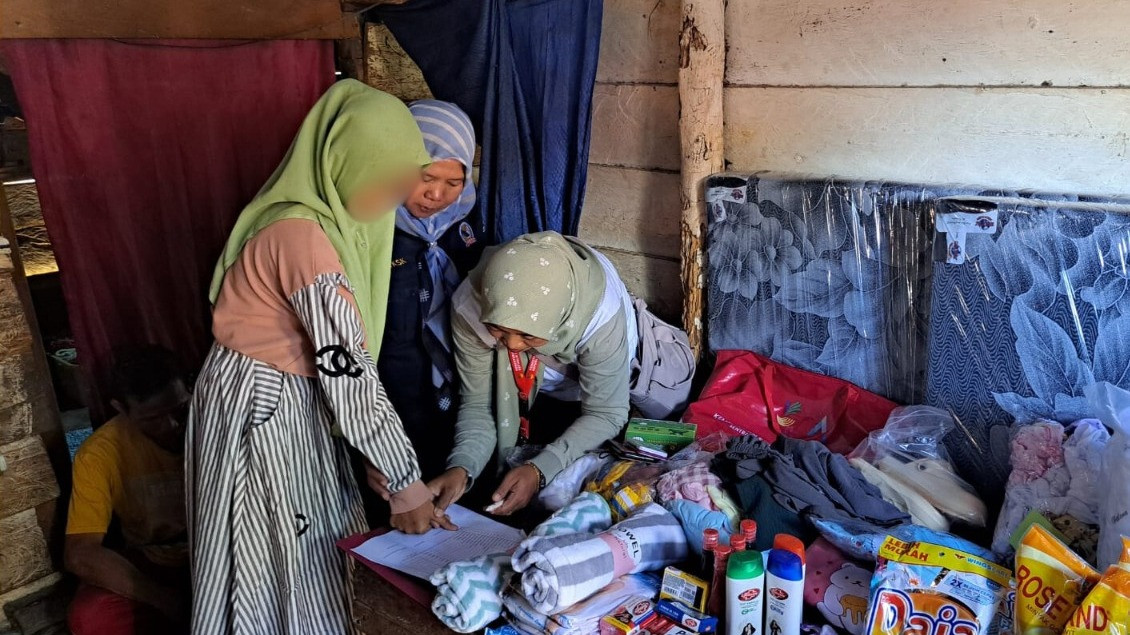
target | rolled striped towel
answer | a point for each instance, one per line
(559, 571)
(469, 594)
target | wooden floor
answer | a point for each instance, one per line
(379, 608)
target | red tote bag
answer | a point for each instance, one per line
(751, 394)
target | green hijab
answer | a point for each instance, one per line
(353, 137)
(542, 284)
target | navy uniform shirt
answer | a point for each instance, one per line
(404, 364)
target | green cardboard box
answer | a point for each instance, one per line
(669, 435)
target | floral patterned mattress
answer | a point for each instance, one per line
(994, 305)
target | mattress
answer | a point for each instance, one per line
(999, 307)
(1032, 311)
(827, 275)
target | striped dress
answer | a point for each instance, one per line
(286, 385)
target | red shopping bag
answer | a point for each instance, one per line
(751, 394)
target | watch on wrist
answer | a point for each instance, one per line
(541, 477)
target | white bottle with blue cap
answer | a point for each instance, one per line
(784, 593)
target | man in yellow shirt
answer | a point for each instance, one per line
(126, 532)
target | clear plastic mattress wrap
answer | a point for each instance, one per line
(996, 306)
(1030, 305)
(826, 275)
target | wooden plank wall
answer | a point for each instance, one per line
(1016, 94)
(632, 207)
(32, 447)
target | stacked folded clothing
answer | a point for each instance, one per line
(468, 594)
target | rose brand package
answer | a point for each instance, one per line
(1051, 582)
(925, 589)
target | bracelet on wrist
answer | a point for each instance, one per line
(541, 477)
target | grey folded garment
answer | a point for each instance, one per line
(808, 478)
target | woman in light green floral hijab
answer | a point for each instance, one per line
(550, 311)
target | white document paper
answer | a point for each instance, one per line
(423, 555)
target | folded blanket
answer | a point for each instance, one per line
(559, 571)
(584, 617)
(468, 594)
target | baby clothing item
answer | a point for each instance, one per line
(468, 594)
(565, 486)
(1082, 453)
(935, 481)
(689, 483)
(559, 571)
(695, 518)
(836, 586)
(725, 504)
(905, 498)
(1053, 476)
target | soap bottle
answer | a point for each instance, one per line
(745, 593)
(784, 593)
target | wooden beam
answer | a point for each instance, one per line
(702, 66)
(27, 479)
(199, 19)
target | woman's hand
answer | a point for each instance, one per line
(421, 520)
(517, 488)
(377, 481)
(448, 488)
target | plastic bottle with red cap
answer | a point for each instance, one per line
(790, 543)
(709, 543)
(749, 530)
(737, 543)
(716, 603)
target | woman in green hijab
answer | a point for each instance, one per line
(544, 335)
(299, 299)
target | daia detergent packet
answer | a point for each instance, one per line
(1106, 611)
(926, 589)
(1051, 582)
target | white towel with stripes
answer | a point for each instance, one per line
(559, 571)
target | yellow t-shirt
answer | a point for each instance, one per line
(119, 472)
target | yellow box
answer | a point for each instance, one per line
(683, 587)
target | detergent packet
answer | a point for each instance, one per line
(1003, 623)
(926, 589)
(1051, 582)
(1106, 611)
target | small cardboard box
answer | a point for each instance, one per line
(628, 617)
(669, 435)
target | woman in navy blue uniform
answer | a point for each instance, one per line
(433, 250)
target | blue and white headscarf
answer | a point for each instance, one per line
(448, 134)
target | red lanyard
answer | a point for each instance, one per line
(524, 380)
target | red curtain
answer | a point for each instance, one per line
(144, 153)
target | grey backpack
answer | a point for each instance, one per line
(663, 368)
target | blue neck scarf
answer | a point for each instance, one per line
(448, 134)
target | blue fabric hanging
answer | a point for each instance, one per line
(524, 71)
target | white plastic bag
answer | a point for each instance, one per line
(1112, 405)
